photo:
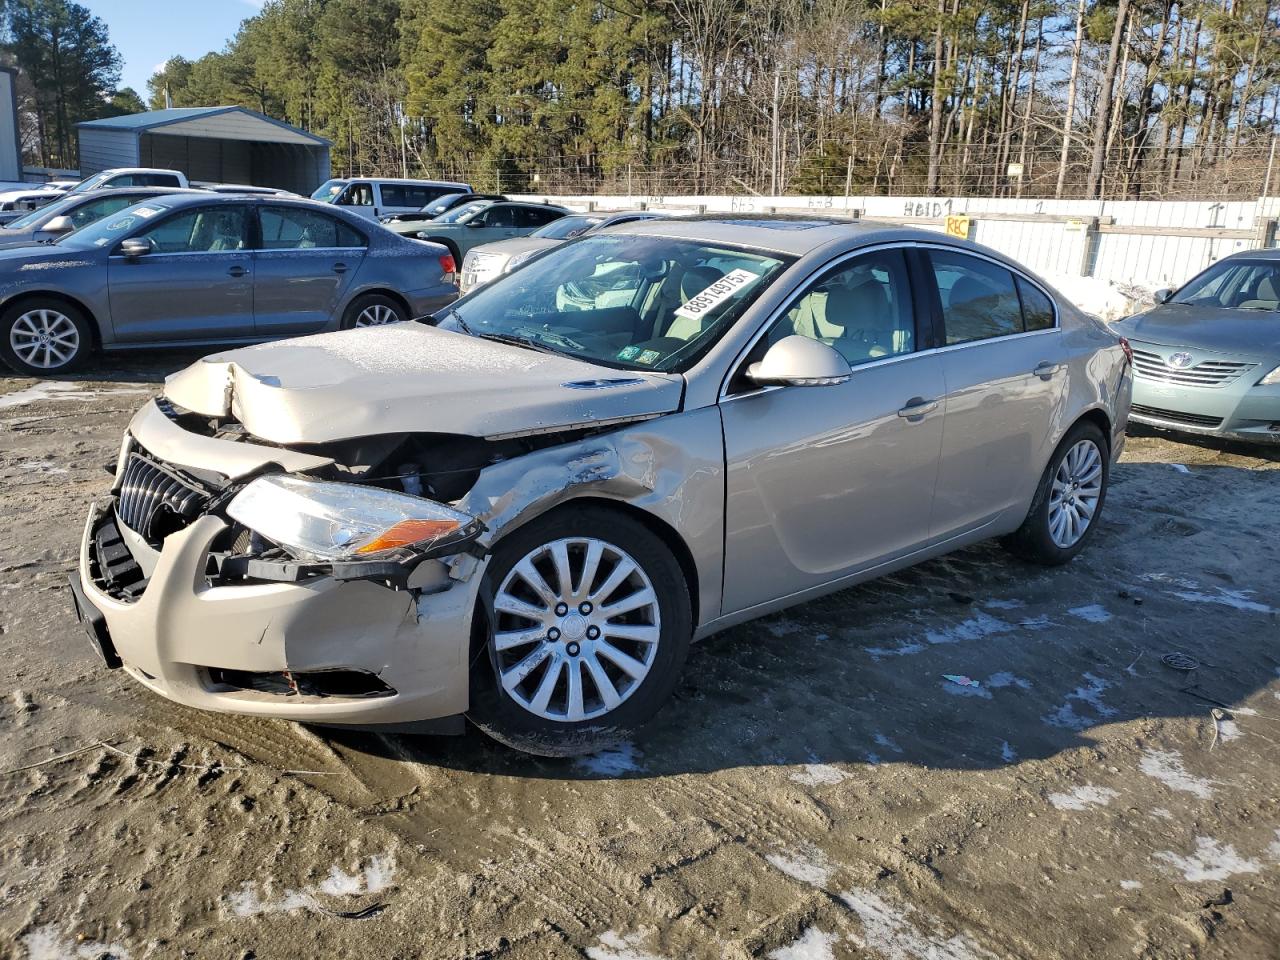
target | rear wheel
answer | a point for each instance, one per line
(373, 310)
(1069, 500)
(44, 337)
(590, 627)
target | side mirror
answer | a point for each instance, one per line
(797, 361)
(136, 247)
(1163, 295)
(474, 223)
(58, 226)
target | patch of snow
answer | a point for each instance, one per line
(1130, 884)
(1105, 299)
(1166, 766)
(1093, 613)
(998, 681)
(1273, 851)
(1237, 599)
(42, 466)
(46, 943)
(812, 945)
(977, 627)
(1228, 730)
(818, 775)
(1007, 753)
(611, 762)
(59, 390)
(1081, 798)
(891, 932)
(1041, 622)
(1211, 861)
(782, 628)
(616, 946)
(1003, 604)
(887, 742)
(1180, 467)
(809, 866)
(1163, 813)
(376, 877)
(1091, 695)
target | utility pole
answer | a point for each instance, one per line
(777, 93)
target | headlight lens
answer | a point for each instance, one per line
(518, 259)
(1271, 378)
(320, 520)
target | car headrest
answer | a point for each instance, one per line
(697, 279)
(1267, 289)
(859, 307)
(965, 291)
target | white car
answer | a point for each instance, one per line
(375, 197)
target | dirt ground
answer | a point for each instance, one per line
(817, 789)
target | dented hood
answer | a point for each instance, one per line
(412, 378)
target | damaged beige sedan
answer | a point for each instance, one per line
(523, 511)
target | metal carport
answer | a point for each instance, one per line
(217, 144)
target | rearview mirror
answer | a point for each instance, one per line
(1163, 295)
(797, 361)
(136, 247)
(59, 225)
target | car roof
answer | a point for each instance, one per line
(433, 183)
(1262, 253)
(794, 235)
(532, 203)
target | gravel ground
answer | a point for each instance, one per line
(817, 789)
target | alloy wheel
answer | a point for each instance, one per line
(375, 315)
(577, 629)
(45, 339)
(1076, 492)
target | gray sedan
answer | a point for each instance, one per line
(1206, 358)
(74, 212)
(189, 269)
(526, 512)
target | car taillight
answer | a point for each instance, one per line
(447, 264)
(1128, 350)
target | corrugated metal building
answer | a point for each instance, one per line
(218, 144)
(10, 138)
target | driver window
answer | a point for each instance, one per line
(862, 309)
(357, 195)
(205, 230)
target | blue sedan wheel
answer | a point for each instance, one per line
(43, 337)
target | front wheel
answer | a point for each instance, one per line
(44, 337)
(589, 629)
(373, 310)
(1068, 502)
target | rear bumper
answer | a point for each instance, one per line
(423, 303)
(181, 631)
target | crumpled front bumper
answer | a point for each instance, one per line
(181, 627)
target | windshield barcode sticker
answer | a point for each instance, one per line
(701, 304)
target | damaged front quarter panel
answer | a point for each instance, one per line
(670, 469)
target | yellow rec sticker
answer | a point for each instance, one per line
(699, 305)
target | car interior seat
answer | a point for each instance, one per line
(1265, 296)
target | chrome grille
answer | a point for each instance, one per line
(1206, 373)
(1176, 416)
(153, 501)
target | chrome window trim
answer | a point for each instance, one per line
(246, 252)
(803, 287)
(304, 249)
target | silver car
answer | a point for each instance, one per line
(525, 513)
(191, 268)
(1206, 358)
(73, 212)
(483, 263)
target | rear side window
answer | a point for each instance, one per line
(979, 299)
(290, 228)
(535, 216)
(499, 217)
(1037, 309)
(410, 195)
(155, 180)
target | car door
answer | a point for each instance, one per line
(359, 198)
(304, 263)
(497, 222)
(825, 481)
(195, 284)
(1005, 383)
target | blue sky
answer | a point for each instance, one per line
(149, 32)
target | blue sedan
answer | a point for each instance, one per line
(195, 269)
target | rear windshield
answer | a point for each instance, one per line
(566, 228)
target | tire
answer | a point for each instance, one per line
(1048, 536)
(373, 310)
(67, 338)
(506, 683)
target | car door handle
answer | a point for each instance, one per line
(918, 408)
(237, 271)
(339, 268)
(1046, 369)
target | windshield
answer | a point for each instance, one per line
(112, 228)
(329, 190)
(1235, 285)
(90, 182)
(36, 216)
(463, 213)
(566, 228)
(634, 302)
(443, 204)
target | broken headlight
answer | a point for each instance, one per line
(345, 522)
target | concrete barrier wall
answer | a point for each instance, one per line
(1145, 242)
